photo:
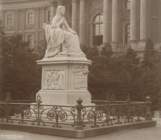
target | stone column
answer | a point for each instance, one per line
(37, 22)
(133, 21)
(74, 15)
(3, 17)
(42, 20)
(16, 11)
(107, 20)
(52, 9)
(114, 21)
(82, 22)
(43, 16)
(143, 20)
(1, 56)
(60, 2)
(158, 27)
(22, 22)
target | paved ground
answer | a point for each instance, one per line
(139, 134)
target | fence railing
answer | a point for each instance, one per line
(101, 113)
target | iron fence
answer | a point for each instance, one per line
(102, 113)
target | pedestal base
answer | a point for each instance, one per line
(64, 80)
(52, 97)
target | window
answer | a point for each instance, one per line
(48, 16)
(31, 41)
(98, 25)
(127, 33)
(98, 30)
(30, 18)
(127, 4)
(9, 19)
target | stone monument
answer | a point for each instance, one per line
(65, 66)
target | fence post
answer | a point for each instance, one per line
(79, 121)
(107, 110)
(128, 102)
(8, 98)
(22, 108)
(148, 108)
(39, 101)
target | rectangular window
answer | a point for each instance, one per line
(9, 19)
(30, 18)
(31, 41)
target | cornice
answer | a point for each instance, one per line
(16, 1)
(2, 11)
(36, 8)
(22, 10)
(24, 4)
(42, 7)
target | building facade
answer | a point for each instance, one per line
(118, 22)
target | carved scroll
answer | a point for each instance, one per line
(81, 69)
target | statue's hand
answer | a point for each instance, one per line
(73, 32)
(62, 20)
(44, 25)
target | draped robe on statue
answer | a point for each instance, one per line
(61, 40)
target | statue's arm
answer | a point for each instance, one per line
(68, 28)
(56, 23)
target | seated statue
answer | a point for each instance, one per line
(61, 39)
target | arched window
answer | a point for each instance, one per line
(127, 33)
(31, 41)
(127, 4)
(98, 30)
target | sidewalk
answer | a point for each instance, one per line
(153, 133)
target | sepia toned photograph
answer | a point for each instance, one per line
(80, 69)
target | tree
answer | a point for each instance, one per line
(21, 76)
(150, 58)
(124, 75)
(120, 75)
(151, 78)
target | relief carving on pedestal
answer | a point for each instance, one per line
(81, 69)
(54, 79)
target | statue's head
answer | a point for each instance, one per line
(61, 10)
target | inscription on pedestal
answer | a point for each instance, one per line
(80, 82)
(81, 73)
(54, 79)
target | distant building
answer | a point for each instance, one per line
(119, 22)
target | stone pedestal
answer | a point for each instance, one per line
(64, 80)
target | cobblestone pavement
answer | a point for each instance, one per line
(153, 133)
